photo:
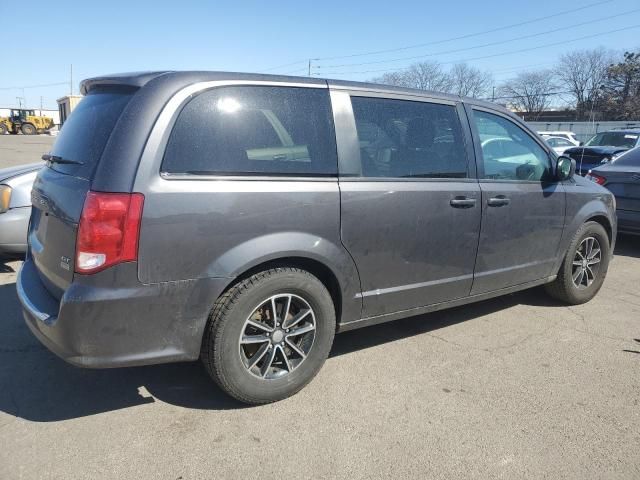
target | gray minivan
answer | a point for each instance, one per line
(245, 219)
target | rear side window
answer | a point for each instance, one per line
(248, 130)
(87, 130)
(401, 138)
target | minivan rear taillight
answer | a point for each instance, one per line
(108, 231)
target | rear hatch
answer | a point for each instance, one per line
(60, 188)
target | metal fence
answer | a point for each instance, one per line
(583, 130)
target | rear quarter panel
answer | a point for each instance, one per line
(197, 227)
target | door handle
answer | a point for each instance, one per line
(462, 202)
(498, 201)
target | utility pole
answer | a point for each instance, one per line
(309, 70)
(493, 94)
(40, 104)
(71, 80)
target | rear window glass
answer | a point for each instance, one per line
(85, 133)
(401, 138)
(248, 130)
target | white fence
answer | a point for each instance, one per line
(583, 130)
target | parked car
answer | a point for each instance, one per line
(15, 207)
(602, 148)
(245, 219)
(558, 144)
(622, 178)
(562, 134)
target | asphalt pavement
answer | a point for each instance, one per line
(515, 387)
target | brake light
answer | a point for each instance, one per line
(594, 177)
(109, 230)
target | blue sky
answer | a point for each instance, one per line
(115, 36)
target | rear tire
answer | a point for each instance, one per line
(584, 267)
(28, 129)
(257, 357)
(3, 129)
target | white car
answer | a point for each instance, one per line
(563, 134)
(559, 144)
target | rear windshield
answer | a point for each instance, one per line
(613, 139)
(85, 133)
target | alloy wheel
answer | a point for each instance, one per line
(586, 263)
(278, 336)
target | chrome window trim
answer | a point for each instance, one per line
(151, 159)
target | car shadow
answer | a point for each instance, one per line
(4, 266)
(38, 386)
(628, 246)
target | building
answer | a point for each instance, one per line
(66, 106)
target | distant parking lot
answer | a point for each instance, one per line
(507, 388)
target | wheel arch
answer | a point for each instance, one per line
(606, 224)
(317, 268)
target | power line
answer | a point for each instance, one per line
(285, 65)
(438, 42)
(35, 86)
(490, 44)
(512, 52)
(470, 35)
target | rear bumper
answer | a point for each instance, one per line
(628, 221)
(131, 324)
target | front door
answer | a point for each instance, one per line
(410, 204)
(523, 206)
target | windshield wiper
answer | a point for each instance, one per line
(56, 159)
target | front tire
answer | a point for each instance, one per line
(28, 129)
(258, 357)
(584, 267)
(3, 129)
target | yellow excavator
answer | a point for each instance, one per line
(25, 121)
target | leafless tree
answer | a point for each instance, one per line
(530, 92)
(469, 81)
(398, 79)
(460, 80)
(581, 73)
(424, 76)
(429, 76)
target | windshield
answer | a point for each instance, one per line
(85, 133)
(613, 139)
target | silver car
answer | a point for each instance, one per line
(15, 207)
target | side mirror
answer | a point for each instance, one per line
(565, 168)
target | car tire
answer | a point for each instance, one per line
(233, 320)
(28, 129)
(574, 284)
(3, 129)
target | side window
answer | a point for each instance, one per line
(508, 152)
(401, 138)
(249, 130)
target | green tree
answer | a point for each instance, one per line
(621, 89)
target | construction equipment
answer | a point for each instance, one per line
(25, 121)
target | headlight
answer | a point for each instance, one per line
(5, 198)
